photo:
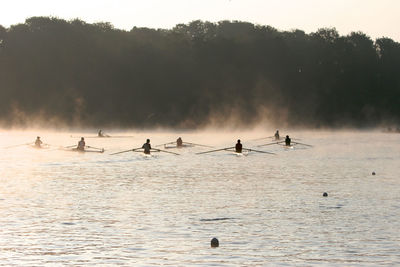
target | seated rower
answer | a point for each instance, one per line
(100, 134)
(179, 142)
(81, 144)
(38, 142)
(276, 135)
(287, 140)
(147, 147)
(238, 147)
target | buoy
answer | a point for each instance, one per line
(325, 194)
(214, 243)
(373, 173)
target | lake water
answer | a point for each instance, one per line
(67, 208)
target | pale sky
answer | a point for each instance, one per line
(376, 18)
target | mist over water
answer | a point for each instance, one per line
(66, 208)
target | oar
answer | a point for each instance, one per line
(159, 150)
(259, 151)
(226, 148)
(166, 144)
(301, 144)
(105, 136)
(262, 138)
(71, 146)
(274, 143)
(95, 147)
(197, 144)
(126, 151)
(19, 145)
(120, 136)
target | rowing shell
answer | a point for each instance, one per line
(39, 147)
(105, 136)
(288, 147)
(182, 146)
(85, 151)
(240, 154)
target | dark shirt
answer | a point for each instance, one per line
(38, 142)
(287, 141)
(179, 142)
(238, 148)
(81, 145)
(146, 147)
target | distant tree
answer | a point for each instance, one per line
(95, 74)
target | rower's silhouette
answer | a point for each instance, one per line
(81, 144)
(277, 135)
(238, 147)
(179, 142)
(147, 147)
(287, 140)
(38, 142)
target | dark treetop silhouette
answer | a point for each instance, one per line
(96, 75)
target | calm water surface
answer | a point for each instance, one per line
(65, 208)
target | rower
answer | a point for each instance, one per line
(146, 146)
(277, 135)
(238, 147)
(179, 142)
(287, 140)
(38, 142)
(81, 144)
(100, 134)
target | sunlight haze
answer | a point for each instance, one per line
(375, 18)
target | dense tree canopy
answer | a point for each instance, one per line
(96, 75)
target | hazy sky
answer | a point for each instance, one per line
(376, 18)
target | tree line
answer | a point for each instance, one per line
(85, 74)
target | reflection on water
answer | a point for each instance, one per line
(65, 208)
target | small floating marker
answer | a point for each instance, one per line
(214, 243)
(325, 194)
(373, 173)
